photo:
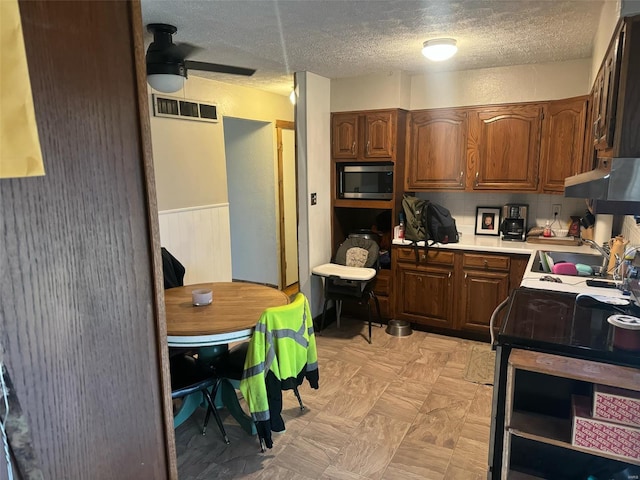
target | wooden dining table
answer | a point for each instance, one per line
(231, 317)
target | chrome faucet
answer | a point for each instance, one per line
(601, 251)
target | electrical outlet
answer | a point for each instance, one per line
(555, 210)
(314, 198)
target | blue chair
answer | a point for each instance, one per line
(187, 377)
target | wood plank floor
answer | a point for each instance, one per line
(396, 409)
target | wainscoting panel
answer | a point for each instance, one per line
(200, 238)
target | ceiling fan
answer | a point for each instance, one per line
(167, 65)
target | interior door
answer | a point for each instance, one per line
(82, 315)
(288, 203)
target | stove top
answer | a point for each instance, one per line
(551, 321)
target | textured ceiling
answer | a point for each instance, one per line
(346, 38)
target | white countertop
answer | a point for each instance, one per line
(573, 284)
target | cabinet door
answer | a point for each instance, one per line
(481, 292)
(504, 147)
(563, 142)
(609, 99)
(424, 295)
(438, 147)
(379, 135)
(596, 111)
(344, 133)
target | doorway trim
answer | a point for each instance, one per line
(283, 125)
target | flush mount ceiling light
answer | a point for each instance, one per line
(439, 49)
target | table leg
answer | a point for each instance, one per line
(230, 400)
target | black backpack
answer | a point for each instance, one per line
(441, 225)
(426, 221)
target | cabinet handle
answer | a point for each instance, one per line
(461, 176)
(353, 147)
(476, 181)
(449, 276)
(486, 263)
(466, 275)
(368, 151)
(423, 256)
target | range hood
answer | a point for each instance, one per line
(615, 189)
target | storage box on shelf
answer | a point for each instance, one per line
(616, 405)
(602, 436)
(540, 388)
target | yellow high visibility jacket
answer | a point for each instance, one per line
(281, 353)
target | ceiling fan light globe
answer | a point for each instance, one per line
(439, 49)
(165, 83)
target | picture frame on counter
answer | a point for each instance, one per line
(488, 221)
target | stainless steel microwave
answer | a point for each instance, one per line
(371, 181)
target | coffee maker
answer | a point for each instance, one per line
(514, 222)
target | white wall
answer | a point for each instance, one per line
(313, 120)
(189, 157)
(519, 83)
(463, 207)
(609, 16)
(390, 89)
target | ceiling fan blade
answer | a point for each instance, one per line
(214, 67)
(185, 49)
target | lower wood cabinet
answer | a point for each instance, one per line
(481, 293)
(453, 290)
(425, 295)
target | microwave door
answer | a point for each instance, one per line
(366, 182)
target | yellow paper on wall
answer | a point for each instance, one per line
(20, 154)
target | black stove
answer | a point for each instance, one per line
(551, 321)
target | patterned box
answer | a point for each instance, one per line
(616, 405)
(601, 436)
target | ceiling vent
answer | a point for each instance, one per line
(181, 108)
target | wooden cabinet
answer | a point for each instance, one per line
(504, 147)
(457, 290)
(424, 286)
(382, 289)
(537, 415)
(605, 95)
(484, 285)
(437, 150)
(366, 136)
(616, 94)
(379, 135)
(344, 136)
(562, 142)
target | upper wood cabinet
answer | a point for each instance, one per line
(379, 135)
(344, 135)
(365, 136)
(605, 95)
(504, 147)
(437, 150)
(562, 142)
(615, 102)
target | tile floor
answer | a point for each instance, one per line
(396, 409)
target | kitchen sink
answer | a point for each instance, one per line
(594, 261)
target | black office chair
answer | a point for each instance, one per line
(188, 377)
(358, 253)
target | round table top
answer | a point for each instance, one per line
(232, 316)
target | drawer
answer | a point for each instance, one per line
(383, 283)
(431, 256)
(486, 262)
